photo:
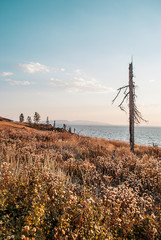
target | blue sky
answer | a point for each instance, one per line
(66, 59)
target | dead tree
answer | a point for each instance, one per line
(134, 114)
(131, 106)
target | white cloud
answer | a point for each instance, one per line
(80, 84)
(78, 71)
(33, 67)
(4, 74)
(57, 70)
(151, 81)
(14, 82)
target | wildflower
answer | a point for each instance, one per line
(23, 237)
(34, 230)
(27, 228)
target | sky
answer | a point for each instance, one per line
(66, 59)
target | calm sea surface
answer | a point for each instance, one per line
(143, 135)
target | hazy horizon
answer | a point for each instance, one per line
(66, 59)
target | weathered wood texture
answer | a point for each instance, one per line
(131, 107)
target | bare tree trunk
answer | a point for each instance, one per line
(134, 114)
(131, 107)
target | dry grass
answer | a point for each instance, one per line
(64, 186)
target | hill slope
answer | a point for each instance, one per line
(56, 185)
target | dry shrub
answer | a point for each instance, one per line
(57, 185)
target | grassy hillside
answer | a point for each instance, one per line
(57, 185)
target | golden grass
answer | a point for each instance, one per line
(12, 125)
(64, 186)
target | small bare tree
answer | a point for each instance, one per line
(47, 120)
(36, 117)
(21, 117)
(134, 114)
(29, 120)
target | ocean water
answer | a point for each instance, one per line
(148, 136)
